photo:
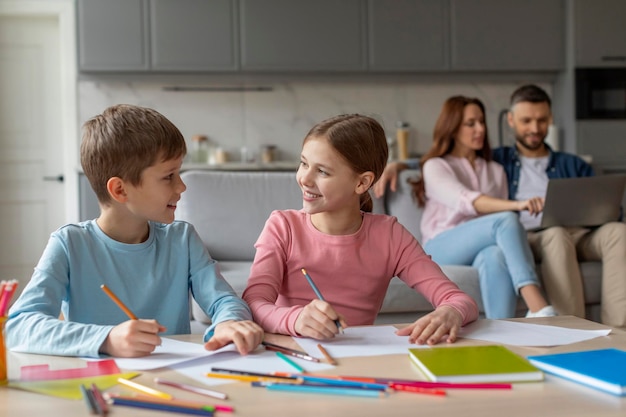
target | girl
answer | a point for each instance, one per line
(468, 219)
(349, 253)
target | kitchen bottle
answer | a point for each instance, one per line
(402, 140)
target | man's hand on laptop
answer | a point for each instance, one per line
(533, 205)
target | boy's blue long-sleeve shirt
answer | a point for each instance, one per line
(152, 278)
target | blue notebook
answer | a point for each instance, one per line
(603, 369)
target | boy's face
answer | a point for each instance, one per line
(160, 189)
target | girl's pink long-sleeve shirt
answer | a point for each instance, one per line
(351, 271)
(452, 185)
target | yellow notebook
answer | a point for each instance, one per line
(492, 363)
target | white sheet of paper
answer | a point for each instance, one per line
(170, 353)
(360, 341)
(526, 334)
(261, 360)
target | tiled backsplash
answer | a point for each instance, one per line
(283, 115)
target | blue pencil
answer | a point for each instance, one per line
(319, 295)
(311, 389)
(161, 407)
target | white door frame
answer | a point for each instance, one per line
(64, 12)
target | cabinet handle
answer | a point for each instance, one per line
(57, 178)
(614, 58)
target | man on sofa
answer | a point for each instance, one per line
(529, 165)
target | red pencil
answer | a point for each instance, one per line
(418, 390)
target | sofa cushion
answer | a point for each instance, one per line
(229, 209)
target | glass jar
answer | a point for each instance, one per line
(199, 149)
(268, 154)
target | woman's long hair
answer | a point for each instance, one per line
(446, 128)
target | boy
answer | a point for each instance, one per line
(132, 157)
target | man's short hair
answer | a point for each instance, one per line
(123, 141)
(530, 93)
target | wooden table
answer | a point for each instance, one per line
(553, 397)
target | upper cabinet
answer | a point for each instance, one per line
(288, 35)
(157, 35)
(600, 29)
(408, 35)
(113, 35)
(306, 36)
(500, 35)
(193, 35)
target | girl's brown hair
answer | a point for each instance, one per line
(446, 127)
(360, 140)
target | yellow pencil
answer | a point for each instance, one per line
(144, 389)
(117, 301)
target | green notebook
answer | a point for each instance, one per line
(492, 363)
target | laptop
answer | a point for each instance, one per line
(583, 201)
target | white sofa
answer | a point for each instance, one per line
(229, 210)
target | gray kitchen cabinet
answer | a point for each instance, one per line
(408, 35)
(501, 35)
(194, 35)
(304, 36)
(603, 140)
(112, 35)
(600, 33)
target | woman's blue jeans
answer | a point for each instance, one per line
(497, 246)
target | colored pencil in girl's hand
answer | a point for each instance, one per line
(319, 295)
(119, 302)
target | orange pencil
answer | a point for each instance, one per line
(329, 358)
(418, 390)
(118, 302)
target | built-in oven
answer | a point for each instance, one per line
(600, 93)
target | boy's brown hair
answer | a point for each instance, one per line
(123, 141)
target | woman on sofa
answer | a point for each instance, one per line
(467, 218)
(350, 253)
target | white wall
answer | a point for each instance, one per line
(284, 115)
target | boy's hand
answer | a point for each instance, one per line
(132, 339)
(246, 335)
(431, 328)
(317, 320)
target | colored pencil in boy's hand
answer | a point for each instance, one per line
(119, 303)
(319, 295)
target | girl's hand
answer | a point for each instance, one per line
(245, 334)
(432, 328)
(317, 320)
(534, 205)
(133, 338)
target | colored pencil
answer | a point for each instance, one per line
(7, 289)
(117, 301)
(243, 378)
(174, 401)
(161, 407)
(319, 295)
(144, 389)
(290, 362)
(282, 348)
(89, 401)
(329, 358)
(418, 390)
(320, 389)
(330, 380)
(294, 354)
(97, 395)
(190, 388)
(246, 373)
